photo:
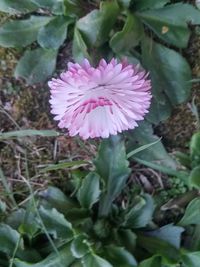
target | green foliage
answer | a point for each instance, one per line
(15, 7)
(192, 213)
(57, 230)
(22, 32)
(170, 23)
(166, 66)
(94, 224)
(36, 65)
(112, 166)
(89, 191)
(54, 33)
(97, 25)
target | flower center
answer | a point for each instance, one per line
(91, 104)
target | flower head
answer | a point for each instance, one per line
(101, 101)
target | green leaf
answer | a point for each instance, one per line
(79, 47)
(53, 34)
(36, 65)
(24, 222)
(112, 165)
(154, 261)
(64, 165)
(129, 36)
(92, 260)
(170, 22)
(63, 258)
(89, 192)
(74, 8)
(119, 257)
(79, 246)
(194, 178)
(191, 259)
(127, 238)
(160, 247)
(13, 7)
(97, 25)
(192, 213)
(169, 233)
(29, 132)
(150, 4)
(143, 135)
(20, 33)
(141, 213)
(195, 149)
(55, 223)
(170, 75)
(53, 197)
(9, 239)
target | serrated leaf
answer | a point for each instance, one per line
(129, 36)
(53, 34)
(191, 259)
(154, 261)
(79, 47)
(79, 246)
(170, 75)
(192, 213)
(170, 22)
(9, 238)
(97, 25)
(150, 4)
(14, 7)
(92, 260)
(55, 223)
(28, 132)
(36, 65)
(112, 165)
(89, 192)
(118, 256)
(63, 258)
(20, 33)
(141, 213)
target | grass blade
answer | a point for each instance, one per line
(141, 148)
(28, 132)
(64, 165)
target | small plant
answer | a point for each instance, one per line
(92, 225)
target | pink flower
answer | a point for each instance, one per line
(102, 101)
